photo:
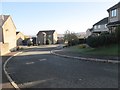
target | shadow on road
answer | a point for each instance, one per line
(5, 82)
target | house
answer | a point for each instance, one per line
(19, 38)
(7, 34)
(88, 32)
(100, 26)
(114, 17)
(46, 36)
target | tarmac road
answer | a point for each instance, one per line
(38, 68)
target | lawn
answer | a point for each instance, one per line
(111, 50)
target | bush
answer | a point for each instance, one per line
(82, 46)
(104, 39)
(92, 41)
(73, 42)
(71, 38)
(82, 41)
(117, 34)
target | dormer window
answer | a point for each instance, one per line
(114, 13)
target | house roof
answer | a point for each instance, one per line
(4, 18)
(113, 23)
(114, 7)
(46, 31)
(18, 32)
(103, 21)
(90, 29)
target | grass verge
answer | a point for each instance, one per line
(111, 50)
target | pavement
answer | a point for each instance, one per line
(75, 55)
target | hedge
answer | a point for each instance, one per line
(104, 39)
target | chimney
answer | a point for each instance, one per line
(1, 19)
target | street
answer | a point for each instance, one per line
(38, 68)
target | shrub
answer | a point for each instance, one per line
(117, 34)
(104, 39)
(92, 41)
(71, 38)
(73, 42)
(82, 46)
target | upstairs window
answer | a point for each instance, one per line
(95, 27)
(114, 13)
(99, 26)
(105, 25)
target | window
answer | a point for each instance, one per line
(6, 29)
(49, 36)
(95, 27)
(114, 12)
(98, 26)
(105, 25)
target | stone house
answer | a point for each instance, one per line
(7, 34)
(114, 17)
(19, 38)
(45, 35)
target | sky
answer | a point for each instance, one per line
(31, 17)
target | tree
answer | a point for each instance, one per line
(71, 38)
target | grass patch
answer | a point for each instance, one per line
(111, 50)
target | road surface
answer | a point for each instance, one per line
(38, 68)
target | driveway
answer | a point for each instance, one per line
(38, 68)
